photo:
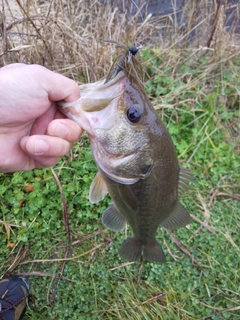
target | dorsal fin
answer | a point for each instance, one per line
(185, 177)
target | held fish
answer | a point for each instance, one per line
(136, 159)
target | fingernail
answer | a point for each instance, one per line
(61, 130)
(40, 146)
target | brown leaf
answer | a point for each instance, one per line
(29, 188)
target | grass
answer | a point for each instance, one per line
(195, 88)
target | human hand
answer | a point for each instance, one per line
(33, 132)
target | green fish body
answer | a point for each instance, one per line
(137, 163)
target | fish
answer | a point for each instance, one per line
(136, 159)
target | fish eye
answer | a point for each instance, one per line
(133, 114)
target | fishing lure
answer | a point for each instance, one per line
(126, 61)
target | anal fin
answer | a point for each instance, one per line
(178, 218)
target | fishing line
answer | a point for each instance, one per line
(138, 9)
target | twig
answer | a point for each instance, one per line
(18, 261)
(65, 259)
(174, 256)
(181, 246)
(156, 296)
(219, 311)
(4, 34)
(204, 224)
(89, 63)
(215, 193)
(87, 237)
(35, 27)
(67, 227)
(60, 276)
(18, 21)
(121, 265)
(140, 270)
(215, 21)
(229, 195)
(44, 274)
(64, 205)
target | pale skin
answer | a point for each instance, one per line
(33, 132)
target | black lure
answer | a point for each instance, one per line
(134, 50)
(125, 58)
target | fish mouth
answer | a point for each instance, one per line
(95, 97)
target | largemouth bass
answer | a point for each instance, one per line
(136, 158)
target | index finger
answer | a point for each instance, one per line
(56, 85)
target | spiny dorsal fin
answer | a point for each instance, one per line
(185, 177)
(112, 219)
(178, 218)
(98, 189)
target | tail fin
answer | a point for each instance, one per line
(131, 250)
(153, 252)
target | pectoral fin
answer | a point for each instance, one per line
(98, 189)
(112, 219)
(178, 218)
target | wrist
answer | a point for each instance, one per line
(11, 154)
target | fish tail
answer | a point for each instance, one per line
(153, 252)
(131, 250)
